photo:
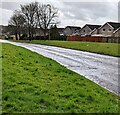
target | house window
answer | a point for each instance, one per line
(83, 30)
(103, 29)
(110, 30)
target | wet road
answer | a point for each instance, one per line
(101, 69)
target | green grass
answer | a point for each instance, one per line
(100, 48)
(33, 83)
(0, 79)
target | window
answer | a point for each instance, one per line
(103, 29)
(83, 30)
(110, 30)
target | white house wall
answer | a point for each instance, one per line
(85, 30)
(106, 30)
(94, 32)
(117, 34)
(67, 31)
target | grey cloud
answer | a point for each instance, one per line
(10, 5)
(84, 11)
(89, 10)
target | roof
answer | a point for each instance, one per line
(116, 30)
(92, 27)
(2, 26)
(60, 29)
(115, 25)
(73, 27)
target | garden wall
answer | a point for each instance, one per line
(94, 39)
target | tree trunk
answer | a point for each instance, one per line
(29, 34)
(16, 36)
(32, 32)
(19, 35)
(44, 35)
(45, 31)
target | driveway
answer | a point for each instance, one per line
(100, 69)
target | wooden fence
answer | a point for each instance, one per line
(94, 39)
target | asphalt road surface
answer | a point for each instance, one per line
(100, 69)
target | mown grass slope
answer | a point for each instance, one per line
(33, 83)
(100, 48)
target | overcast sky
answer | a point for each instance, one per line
(71, 12)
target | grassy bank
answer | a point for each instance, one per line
(33, 83)
(100, 48)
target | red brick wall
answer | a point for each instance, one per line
(85, 38)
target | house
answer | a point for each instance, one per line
(116, 33)
(60, 31)
(71, 30)
(38, 32)
(0, 29)
(89, 29)
(109, 29)
(3, 30)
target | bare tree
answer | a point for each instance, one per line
(16, 23)
(34, 15)
(46, 16)
(29, 12)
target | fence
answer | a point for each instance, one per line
(94, 39)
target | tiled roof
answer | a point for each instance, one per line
(115, 25)
(61, 29)
(73, 27)
(92, 27)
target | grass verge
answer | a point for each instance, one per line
(100, 48)
(33, 83)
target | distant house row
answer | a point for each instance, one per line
(109, 29)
